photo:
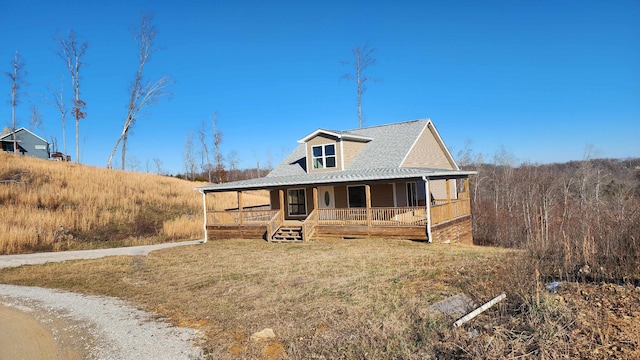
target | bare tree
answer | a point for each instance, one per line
(58, 102)
(205, 162)
(35, 123)
(72, 51)
(135, 164)
(16, 76)
(143, 93)
(233, 165)
(362, 60)
(258, 174)
(218, 158)
(158, 164)
(189, 158)
(269, 160)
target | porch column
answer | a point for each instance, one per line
(367, 192)
(204, 205)
(466, 187)
(428, 204)
(282, 209)
(467, 197)
(448, 189)
(240, 207)
(315, 198)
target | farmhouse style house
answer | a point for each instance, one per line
(388, 181)
(28, 143)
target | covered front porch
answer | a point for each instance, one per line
(386, 209)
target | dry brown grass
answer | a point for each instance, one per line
(50, 206)
(362, 299)
(344, 299)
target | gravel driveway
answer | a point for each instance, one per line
(41, 258)
(84, 326)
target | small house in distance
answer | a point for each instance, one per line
(389, 181)
(28, 143)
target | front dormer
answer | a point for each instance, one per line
(328, 151)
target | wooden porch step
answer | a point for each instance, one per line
(288, 234)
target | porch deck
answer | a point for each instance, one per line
(395, 222)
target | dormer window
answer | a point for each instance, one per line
(324, 156)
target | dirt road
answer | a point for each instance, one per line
(18, 329)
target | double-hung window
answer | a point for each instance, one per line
(324, 156)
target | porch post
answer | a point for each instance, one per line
(315, 198)
(282, 209)
(466, 187)
(427, 191)
(467, 203)
(448, 187)
(367, 192)
(204, 205)
(240, 207)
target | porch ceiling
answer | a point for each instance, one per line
(337, 178)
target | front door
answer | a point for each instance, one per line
(296, 202)
(326, 198)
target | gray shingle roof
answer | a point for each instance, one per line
(379, 159)
(389, 146)
(339, 177)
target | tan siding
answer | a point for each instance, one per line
(351, 149)
(322, 139)
(340, 193)
(381, 195)
(427, 153)
(438, 189)
(274, 199)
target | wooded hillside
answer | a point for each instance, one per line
(581, 217)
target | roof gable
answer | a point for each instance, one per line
(9, 135)
(386, 146)
(389, 146)
(429, 149)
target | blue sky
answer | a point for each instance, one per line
(541, 79)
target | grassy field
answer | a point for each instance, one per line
(53, 206)
(358, 299)
(349, 299)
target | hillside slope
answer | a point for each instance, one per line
(52, 206)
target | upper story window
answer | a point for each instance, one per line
(324, 156)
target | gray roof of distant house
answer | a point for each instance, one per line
(9, 135)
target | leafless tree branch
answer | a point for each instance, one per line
(363, 58)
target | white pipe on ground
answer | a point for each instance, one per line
(479, 310)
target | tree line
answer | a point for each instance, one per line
(581, 219)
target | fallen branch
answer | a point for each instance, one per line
(479, 310)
